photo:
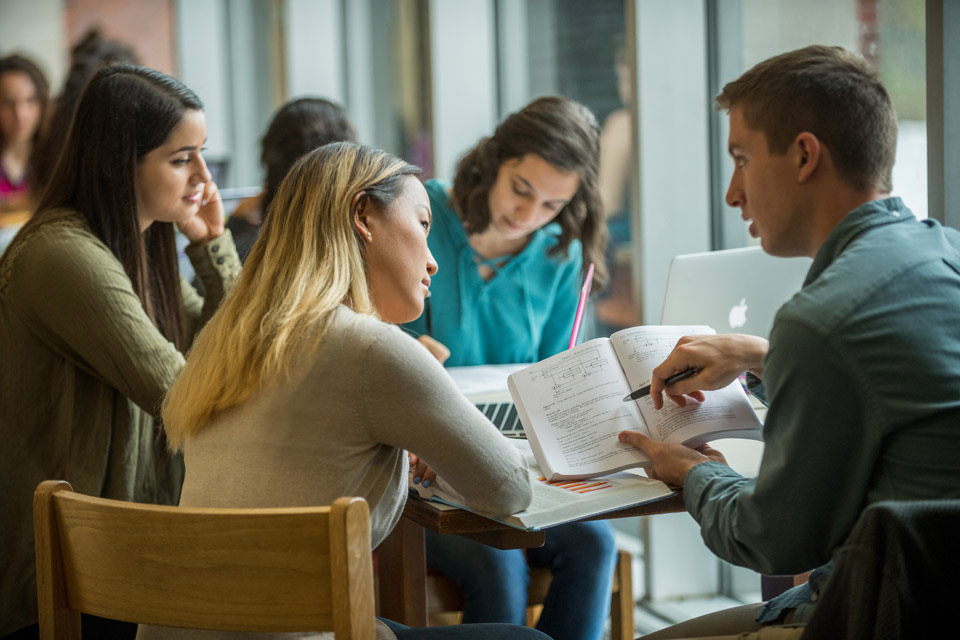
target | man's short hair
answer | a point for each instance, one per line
(831, 93)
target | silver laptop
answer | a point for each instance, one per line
(486, 387)
(733, 291)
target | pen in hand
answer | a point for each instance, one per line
(677, 377)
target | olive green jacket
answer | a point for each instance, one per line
(82, 373)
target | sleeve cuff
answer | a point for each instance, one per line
(215, 262)
(698, 481)
(756, 388)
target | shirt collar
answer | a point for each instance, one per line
(871, 214)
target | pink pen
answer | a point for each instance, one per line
(584, 294)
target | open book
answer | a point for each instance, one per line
(571, 405)
(563, 501)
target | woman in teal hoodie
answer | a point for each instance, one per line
(513, 237)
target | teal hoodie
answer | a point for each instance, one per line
(523, 314)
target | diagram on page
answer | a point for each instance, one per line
(574, 371)
(640, 353)
(576, 396)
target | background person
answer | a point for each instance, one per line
(513, 237)
(24, 94)
(297, 127)
(94, 319)
(88, 55)
(299, 391)
(614, 308)
(813, 137)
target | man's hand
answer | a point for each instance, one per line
(720, 360)
(671, 461)
(436, 348)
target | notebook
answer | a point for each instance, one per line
(733, 291)
(486, 387)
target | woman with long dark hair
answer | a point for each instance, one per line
(514, 236)
(94, 318)
(297, 127)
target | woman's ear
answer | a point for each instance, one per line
(359, 209)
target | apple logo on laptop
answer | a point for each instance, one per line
(738, 314)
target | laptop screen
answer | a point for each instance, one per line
(486, 387)
(733, 291)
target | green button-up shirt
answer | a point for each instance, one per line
(863, 383)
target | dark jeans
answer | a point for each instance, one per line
(581, 555)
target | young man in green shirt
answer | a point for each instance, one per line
(862, 370)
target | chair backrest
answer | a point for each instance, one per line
(895, 576)
(283, 569)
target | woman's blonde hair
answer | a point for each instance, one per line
(307, 260)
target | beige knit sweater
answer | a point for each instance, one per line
(339, 426)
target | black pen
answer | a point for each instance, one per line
(677, 377)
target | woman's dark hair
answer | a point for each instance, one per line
(90, 53)
(298, 127)
(564, 133)
(124, 113)
(19, 64)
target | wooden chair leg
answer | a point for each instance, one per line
(533, 615)
(621, 604)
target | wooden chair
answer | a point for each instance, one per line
(443, 597)
(285, 569)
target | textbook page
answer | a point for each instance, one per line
(726, 411)
(574, 400)
(562, 501)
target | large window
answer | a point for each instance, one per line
(889, 33)
(400, 72)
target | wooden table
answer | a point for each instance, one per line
(402, 556)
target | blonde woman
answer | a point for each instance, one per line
(299, 391)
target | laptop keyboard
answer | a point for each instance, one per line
(504, 417)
